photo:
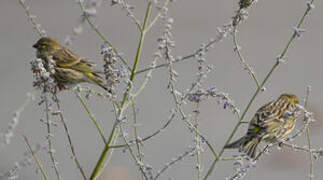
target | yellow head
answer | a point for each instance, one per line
(46, 46)
(290, 98)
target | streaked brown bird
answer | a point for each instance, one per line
(246, 3)
(70, 69)
(271, 123)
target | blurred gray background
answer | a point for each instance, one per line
(262, 37)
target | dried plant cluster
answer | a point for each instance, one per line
(117, 69)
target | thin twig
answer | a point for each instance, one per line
(246, 66)
(300, 148)
(103, 37)
(31, 18)
(69, 138)
(155, 19)
(51, 150)
(198, 142)
(139, 163)
(308, 137)
(143, 85)
(86, 107)
(169, 164)
(40, 166)
(8, 133)
(171, 118)
(136, 135)
(178, 104)
(181, 59)
(130, 14)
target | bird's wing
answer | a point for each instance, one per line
(271, 114)
(65, 58)
(264, 117)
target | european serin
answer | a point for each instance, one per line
(70, 69)
(246, 3)
(271, 123)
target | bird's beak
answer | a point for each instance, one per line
(35, 46)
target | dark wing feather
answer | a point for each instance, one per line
(65, 58)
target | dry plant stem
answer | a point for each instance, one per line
(283, 54)
(187, 57)
(308, 138)
(191, 126)
(115, 131)
(86, 107)
(93, 91)
(261, 152)
(172, 116)
(292, 146)
(49, 137)
(135, 127)
(155, 19)
(135, 124)
(69, 138)
(187, 123)
(103, 37)
(178, 104)
(198, 144)
(142, 87)
(33, 22)
(10, 129)
(138, 162)
(168, 165)
(40, 166)
(131, 15)
(242, 59)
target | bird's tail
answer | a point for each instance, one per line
(95, 79)
(247, 145)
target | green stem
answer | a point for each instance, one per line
(116, 130)
(92, 117)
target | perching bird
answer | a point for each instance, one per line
(70, 69)
(271, 123)
(246, 3)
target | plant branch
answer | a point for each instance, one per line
(308, 137)
(283, 54)
(116, 130)
(155, 19)
(103, 37)
(78, 164)
(95, 122)
(51, 150)
(31, 18)
(40, 166)
(246, 66)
